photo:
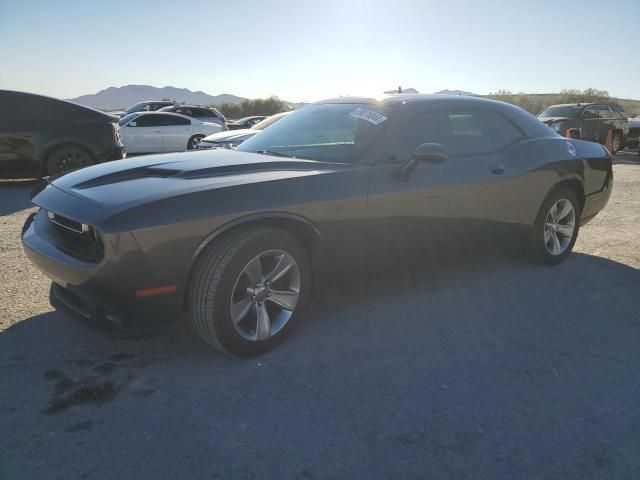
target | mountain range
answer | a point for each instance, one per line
(114, 98)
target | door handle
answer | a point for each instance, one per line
(157, 131)
(497, 168)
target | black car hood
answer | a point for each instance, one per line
(119, 184)
(550, 120)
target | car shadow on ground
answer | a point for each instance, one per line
(477, 365)
(626, 157)
(15, 195)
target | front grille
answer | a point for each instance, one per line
(80, 240)
(67, 223)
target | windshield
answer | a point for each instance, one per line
(268, 121)
(126, 118)
(135, 108)
(325, 132)
(567, 112)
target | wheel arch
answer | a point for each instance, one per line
(574, 183)
(305, 231)
(50, 148)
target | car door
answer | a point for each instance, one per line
(177, 131)
(144, 134)
(458, 199)
(606, 124)
(591, 124)
(19, 122)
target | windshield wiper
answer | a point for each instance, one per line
(275, 154)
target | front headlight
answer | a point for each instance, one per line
(205, 145)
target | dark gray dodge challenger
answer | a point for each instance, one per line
(238, 241)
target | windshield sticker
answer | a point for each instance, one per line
(368, 116)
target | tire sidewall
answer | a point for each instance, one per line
(219, 302)
(190, 144)
(538, 247)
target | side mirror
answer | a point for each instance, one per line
(430, 153)
(132, 124)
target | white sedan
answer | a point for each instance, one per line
(157, 132)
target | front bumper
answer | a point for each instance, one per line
(116, 152)
(102, 291)
(595, 202)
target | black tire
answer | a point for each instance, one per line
(66, 159)
(193, 142)
(215, 278)
(537, 246)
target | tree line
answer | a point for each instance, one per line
(535, 103)
(257, 106)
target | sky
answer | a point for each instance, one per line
(301, 50)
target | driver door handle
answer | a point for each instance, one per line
(496, 168)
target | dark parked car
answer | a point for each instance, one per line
(233, 138)
(239, 239)
(589, 121)
(246, 122)
(633, 139)
(42, 136)
(204, 114)
(148, 106)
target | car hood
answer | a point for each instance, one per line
(229, 135)
(118, 185)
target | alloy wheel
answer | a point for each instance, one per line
(559, 227)
(195, 142)
(265, 295)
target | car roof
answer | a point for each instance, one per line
(414, 98)
(45, 97)
(191, 106)
(532, 126)
(141, 114)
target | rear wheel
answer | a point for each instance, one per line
(556, 227)
(65, 159)
(248, 289)
(194, 142)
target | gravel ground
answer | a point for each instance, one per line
(484, 368)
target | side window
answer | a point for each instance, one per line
(502, 132)
(590, 112)
(203, 113)
(171, 121)
(462, 133)
(150, 121)
(603, 112)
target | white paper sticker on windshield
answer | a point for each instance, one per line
(368, 115)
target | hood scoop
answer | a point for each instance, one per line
(125, 175)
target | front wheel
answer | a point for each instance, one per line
(194, 142)
(248, 290)
(556, 227)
